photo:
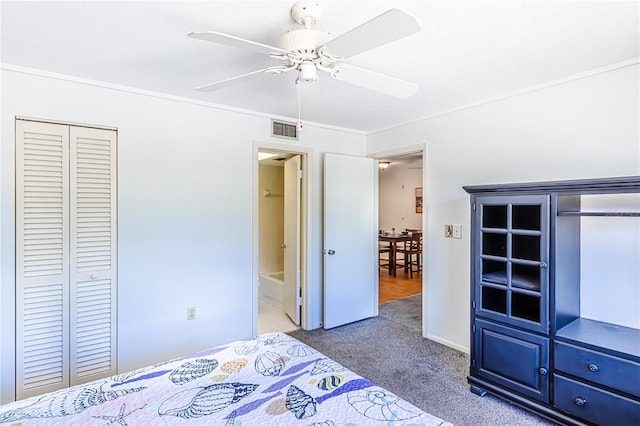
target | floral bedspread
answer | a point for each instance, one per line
(271, 379)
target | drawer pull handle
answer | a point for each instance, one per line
(543, 371)
(593, 368)
(580, 401)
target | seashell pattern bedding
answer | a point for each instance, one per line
(271, 379)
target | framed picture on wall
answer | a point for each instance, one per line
(418, 200)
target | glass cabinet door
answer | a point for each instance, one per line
(511, 272)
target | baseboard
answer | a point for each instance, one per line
(448, 343)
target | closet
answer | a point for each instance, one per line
(65, 255)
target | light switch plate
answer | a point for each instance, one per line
(457, 231)
(448, 231)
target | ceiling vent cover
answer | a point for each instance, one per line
(281, 129)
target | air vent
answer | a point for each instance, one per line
(280, 129)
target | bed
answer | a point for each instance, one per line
(271, 379)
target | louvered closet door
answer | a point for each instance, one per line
(42, 258)
(93, 253)
(65, 256)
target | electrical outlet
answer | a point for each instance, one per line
(191, 313)
(457, 231)
(448, 231)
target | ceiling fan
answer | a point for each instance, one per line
(308, 50)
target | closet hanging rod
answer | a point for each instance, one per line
(601, 214)
(268, 194)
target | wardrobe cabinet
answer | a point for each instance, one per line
(65, 255)
(530, 343)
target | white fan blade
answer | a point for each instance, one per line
(255, 75)
(233, 41)
(375, 81)
(391, 25)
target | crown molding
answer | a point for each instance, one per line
(121, 88)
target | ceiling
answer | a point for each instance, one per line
(466, 52)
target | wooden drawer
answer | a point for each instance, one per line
(613, 372)
(595, 405)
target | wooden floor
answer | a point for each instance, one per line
(392, 288)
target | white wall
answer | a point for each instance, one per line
(584, 128)
(610, 260)
(185, 203)
(397, 202)
(185, 212)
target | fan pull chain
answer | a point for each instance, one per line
(299, 125)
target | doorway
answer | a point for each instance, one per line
(400, 209)
(280, 236)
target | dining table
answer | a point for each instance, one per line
(393, 239)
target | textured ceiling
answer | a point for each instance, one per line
(467, 51)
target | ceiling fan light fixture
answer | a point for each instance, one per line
(307, 72)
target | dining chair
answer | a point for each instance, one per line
(384, 261)
(400, 259)
(412, 253)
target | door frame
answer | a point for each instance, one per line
(10, 386)
(292, 203)
(306, 155)
(405, 150)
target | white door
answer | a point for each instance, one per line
(42, 258)
(93, 245)
(291, 290)
(65, 256)
(350, 240)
